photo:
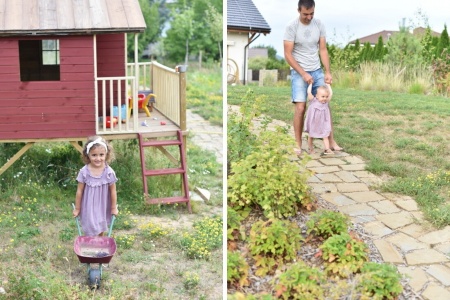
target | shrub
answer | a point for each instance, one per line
(300, 282)
(343, 254)
(237, 269)
(269, 180)
(272, 243)
(234, 231)
(325, 223)
(380, 281)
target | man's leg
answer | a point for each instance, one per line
(299, 116)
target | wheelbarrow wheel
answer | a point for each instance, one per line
(95, 278)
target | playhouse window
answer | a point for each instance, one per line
(39, 60)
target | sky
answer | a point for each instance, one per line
(346, 20)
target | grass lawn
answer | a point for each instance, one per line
(402, 137)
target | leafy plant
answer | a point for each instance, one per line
(300, 282)
(325, 223)
(343, 254)
(234, 227)
(125, 241)
(190, 280)
(237, 269)
(268, 179)
(379, 281)
(272, 243)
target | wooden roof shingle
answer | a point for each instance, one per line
(31, 17)
(243, 15)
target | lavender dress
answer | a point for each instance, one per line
(95, 214)
(318, 119)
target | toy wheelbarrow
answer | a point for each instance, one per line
(94, 250)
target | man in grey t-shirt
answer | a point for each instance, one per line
(304, 41)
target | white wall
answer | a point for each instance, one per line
(236, 43)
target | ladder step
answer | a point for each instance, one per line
(177, 199)
(164, 171)
(160, 143)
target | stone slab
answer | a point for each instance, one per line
(409, 205)
(377, 229)
(417, 278)
(364, 174)
(396, 220)
(320, 188)
(441, 273)
(347, 176)
(414, 230)
(332, 161)
(354, 160)
(358, 167)
(384, 206)
(436, 237)
(337, 199)
(372, 181)
(358, 210)
(362, 219)
(330, 177)
(425, 257)
(325, 169)
(313, 164)
(313, 179)
(388, 252)
(352, 187)
(443, 248)
(435, 292)
(405, 242)
(365, 196)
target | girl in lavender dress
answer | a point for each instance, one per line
(96, 196)
(318, 117)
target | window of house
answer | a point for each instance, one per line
(39, 60)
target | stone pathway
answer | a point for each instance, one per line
(397, 226)
(205, 135)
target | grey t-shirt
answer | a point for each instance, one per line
(306, 42)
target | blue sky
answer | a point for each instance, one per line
(346, 20)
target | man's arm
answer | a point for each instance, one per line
(288, 48)
(325, 59)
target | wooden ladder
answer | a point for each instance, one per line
(182, 170)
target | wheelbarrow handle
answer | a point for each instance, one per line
(78, 222)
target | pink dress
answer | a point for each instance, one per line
(95, 214)
(318, 119)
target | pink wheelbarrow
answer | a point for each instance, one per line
(94, 250)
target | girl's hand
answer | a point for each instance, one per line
(114, 211)
(76, 212)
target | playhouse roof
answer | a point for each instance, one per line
(47, 17)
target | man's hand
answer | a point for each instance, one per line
(307, 78)
(328, 78)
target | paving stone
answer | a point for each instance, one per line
(409, 205)
(405, 242)
(435, 292)
(328, 177)
(362, 219)
(313, 164)
(358, 210)
(320, 188)
(388, 252)
(352, 187)
(377, 229)
(396, 220)
(366, 196)
(347, 176)
(325, 169)
(384, 206)
(363, 174)
(441, 273)
(417, 278)
(443, 248)
(313, 179)
(375, 181)
(358, 167)
(425, 257)
(354, 160)
(332, 161)
(337, 199)
(436, 237)
(414, 230)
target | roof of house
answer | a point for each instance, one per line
(243, 15)
(31, 17)
(386, 34)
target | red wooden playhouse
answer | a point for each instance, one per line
(64, 76)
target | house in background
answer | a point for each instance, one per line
(244, 25)
(64, 76)
(387, 34)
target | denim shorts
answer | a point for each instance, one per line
(299, 86)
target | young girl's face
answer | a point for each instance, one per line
(322, 95)
(97, 155)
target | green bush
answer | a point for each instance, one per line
(272, 243)
(343, 254)
(325, 223)
(300, 282)
(380, 281)
(268, 179)
(234, 230)
(237, 269)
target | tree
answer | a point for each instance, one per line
(215, 23)
(404, 49)
(444, 43)
(182, 29)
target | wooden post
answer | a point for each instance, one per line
(183, 126)
(16, 157)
